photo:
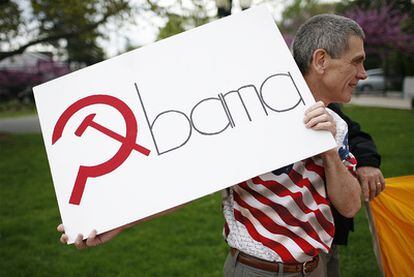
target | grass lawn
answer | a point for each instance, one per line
(185, 243)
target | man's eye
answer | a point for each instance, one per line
(358, 62)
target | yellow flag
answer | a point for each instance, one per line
(393, 214)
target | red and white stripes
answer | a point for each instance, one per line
(284, 218)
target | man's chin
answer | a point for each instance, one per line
(348, 99)
(347, 96)
(344, 99)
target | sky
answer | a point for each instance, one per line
(147, 25)
(143, 29)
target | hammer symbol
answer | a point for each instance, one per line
(88, 122)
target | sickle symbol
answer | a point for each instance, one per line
(127, 143)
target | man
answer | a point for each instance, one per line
(368, 173)
(260, 220)
(279, 222)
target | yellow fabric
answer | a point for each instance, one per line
(393, 213)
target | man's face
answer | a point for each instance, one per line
(343, 74)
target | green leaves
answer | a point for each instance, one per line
(70, 25)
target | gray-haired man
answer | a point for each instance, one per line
(330, 33)
(369, 174)
(329, 52)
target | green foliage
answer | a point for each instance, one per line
(72, 25)
(9, 20)
(188, 18)
(185, 243)
(77, 21)
(299, 11)
(175, 25)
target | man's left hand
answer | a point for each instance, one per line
(318, 118)
(371, 180)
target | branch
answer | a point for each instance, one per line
(57, 36)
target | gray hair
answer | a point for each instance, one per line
(325, 31)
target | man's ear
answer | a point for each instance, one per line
(319, 60)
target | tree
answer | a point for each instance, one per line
(383, 28)
(389, 33)
(174, 25)
(17, 81)
(9, 20)
(72, 25)
(298, 12)
(188, 17)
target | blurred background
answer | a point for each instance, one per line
(43, 39)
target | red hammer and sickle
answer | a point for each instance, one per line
(127, 142)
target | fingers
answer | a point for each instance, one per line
(382, 181)
(79, 242)
(380, 186)
(64, 239)
(365, 190)
(92, 240)
(328, 126)
(315, 110)
(315, 106)
(373, 189)
(312, 121)
(318, 118)
(60, 228)
(371, 178)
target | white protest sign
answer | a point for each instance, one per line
(174, 121)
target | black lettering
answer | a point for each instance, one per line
(271, 90)
(223, 97)
(229, 120)
(151, 126)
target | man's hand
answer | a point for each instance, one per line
(371, 180)
(318, 118)
(92, 240)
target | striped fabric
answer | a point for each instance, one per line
(284, 216)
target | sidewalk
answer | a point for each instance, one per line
(20, 125)
(392, 100)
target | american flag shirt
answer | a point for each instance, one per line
(285, 215)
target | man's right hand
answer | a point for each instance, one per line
(371, 180)
(92, 240)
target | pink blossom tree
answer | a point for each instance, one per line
(383, 28)
(385, 37)
(14, 82)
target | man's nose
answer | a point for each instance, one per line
(362, 74)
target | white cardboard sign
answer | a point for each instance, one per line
(174, 121)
